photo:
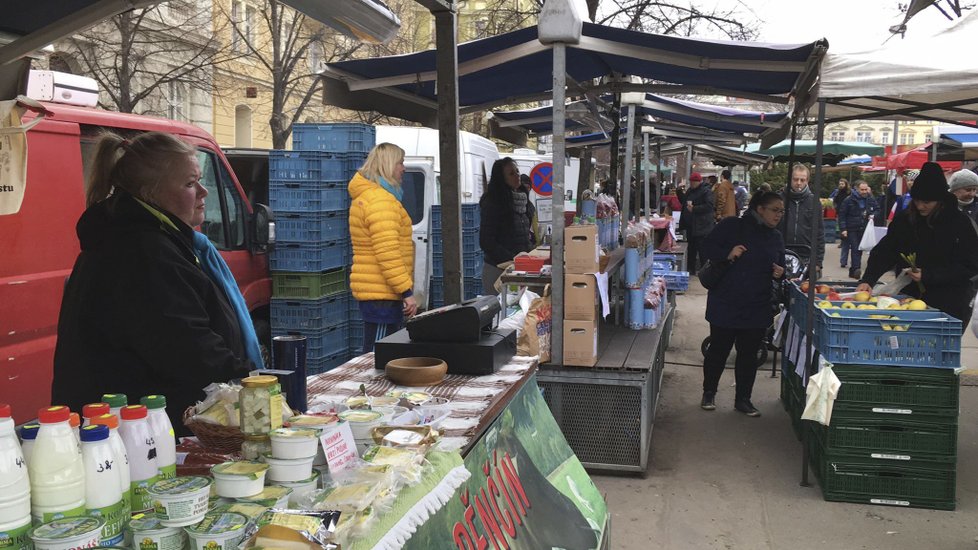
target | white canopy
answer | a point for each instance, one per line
(934, 78)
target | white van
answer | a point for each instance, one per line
(422, 168)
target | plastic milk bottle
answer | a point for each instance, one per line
(15, 488)
(92, 410)
(103, 489)
(121, 466)
(28, 433)
(56, 470)
(74, 420)
(141, 450)
(166, 443)
(116, 401)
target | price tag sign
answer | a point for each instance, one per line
(339, 446)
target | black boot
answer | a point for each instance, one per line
(708, 403)
(746, 407)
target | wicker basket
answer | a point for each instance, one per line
(225, 439)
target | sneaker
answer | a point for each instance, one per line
(746, 407)
(708, 403)
(855, 273)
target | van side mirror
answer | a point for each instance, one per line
(263, 227)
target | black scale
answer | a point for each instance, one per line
(459, 334)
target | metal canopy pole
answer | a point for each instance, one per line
(446, 61)
(645, 174)
(658, 163)
(810, 310)
(626, 173)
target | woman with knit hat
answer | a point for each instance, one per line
(944, 240)
(964, 186)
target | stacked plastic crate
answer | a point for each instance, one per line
(311, 259)
(893, 434)
(471, 256)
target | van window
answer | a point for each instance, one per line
(221, 204)
(413, 185)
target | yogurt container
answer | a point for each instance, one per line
(16, 535)
(295, 442)
(383, 401)
(300, 488)
(181, 500)
(72, 533)
(288, 469)
(148, 533)
(414, 398)
(314, 421)
(274, 496)
(218, 531)
(361, 422)
(243, 478)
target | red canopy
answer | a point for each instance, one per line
(912, 160)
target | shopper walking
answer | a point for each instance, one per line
(382, 276)
(854, 216)
(504, 222)
(840, 193)
(804, 210)
(738, 308)
(943, 241)
(697, 219)
(964, 186)
(724, 198)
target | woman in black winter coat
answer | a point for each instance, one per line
(944, 240)
(738, 307)
(505, 221)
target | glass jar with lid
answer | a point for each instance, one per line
(254, 446)
(260, 404)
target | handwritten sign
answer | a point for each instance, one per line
(339, 446)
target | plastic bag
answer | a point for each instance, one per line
(894, 286)
(535, 339)
(220, 406)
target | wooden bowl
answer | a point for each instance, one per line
(416, 371)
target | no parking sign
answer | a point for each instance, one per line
(541, 179)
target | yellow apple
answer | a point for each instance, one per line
(917, 305)
(900, 328)
(862, 296)
(887, 327)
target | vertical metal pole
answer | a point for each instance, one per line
(446, 61)
(658, 165)
(689, 166)
(614, 167)
(626, 173)
(787, 186)
(810, 310)
(645, 176)
(898, 185)
(933, 152)
(557, 198)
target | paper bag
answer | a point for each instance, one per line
(535, 338)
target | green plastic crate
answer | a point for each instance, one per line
(910, 390)
(308, 286)
(894, 437)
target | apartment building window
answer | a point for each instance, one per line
(865, 137)
(243, 33)
(907, 138)
(837, 135)
(176, 99)
(885, 138)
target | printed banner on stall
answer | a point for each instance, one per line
(527, 491)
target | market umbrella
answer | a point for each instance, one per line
(833, 151)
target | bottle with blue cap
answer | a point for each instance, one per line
(103, 490)
(28, 433)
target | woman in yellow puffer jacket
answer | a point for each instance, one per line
(382, 278)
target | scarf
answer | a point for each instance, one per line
(215, 267)
(798, 195)
(962, 204)
(395, 190)
(521, 223)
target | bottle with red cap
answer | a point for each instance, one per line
(92, 410)
(15, 488)
(56, 470)
(141, 450)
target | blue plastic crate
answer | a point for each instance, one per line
(471, 287)
(317, 365)
(675, 280)
(287, 256)
(470, 241)
(303, 166)
(470, 216)
(925, 338)
(311, 196)
(334, 137)
(355, 342)
(309, 314)
(307, 227)
(471, 265)
(323, 342)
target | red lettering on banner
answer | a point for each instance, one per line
(500, 504)
(462, 539)
(505, 517)
(495, 534)
(514, 483)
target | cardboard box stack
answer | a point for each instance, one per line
(582, 254)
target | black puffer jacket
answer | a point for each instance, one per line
(139, 315)
(498, 237)
(947, 255)
(701, 220)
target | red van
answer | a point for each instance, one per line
(38, 245)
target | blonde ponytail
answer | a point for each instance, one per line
(137, 165)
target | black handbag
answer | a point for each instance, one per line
(711, 272)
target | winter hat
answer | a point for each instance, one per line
(962, 179)
(695, 176)
(930, 185)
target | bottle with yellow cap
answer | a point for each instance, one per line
(56, 470)
(166, 443)
(260, 404)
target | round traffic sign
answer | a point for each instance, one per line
(541, 179)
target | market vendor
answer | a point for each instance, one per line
(505, 221)
(934, 243)
(150, 306)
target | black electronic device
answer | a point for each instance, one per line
(462, 322)
(484, 356)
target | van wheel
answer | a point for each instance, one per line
(264, 332)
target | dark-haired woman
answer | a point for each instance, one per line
(504, 221)
(150, 306)
(738, 308)
(944, 241)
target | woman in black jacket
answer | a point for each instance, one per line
(504, 221)
(144, 312)
(738, 307)
(944, 240)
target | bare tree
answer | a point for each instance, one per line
(136, 56)
(679, 18)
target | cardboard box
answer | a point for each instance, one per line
(580, 297)
(580, 343)
(582, 250)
